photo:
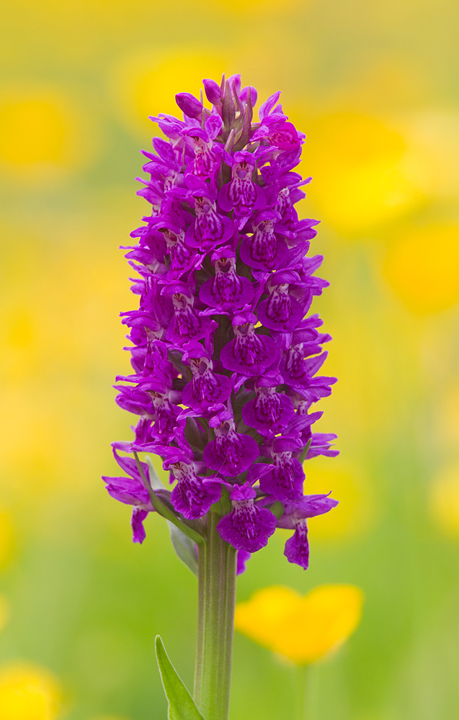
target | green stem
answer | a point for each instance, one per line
(217, 596)
(301, 705)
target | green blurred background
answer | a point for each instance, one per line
(375, 88)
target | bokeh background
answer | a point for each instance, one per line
(375, 88)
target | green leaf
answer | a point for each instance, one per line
(302, 457)
(156, 483)
(277, 509)
(184, 547)
(181, 704)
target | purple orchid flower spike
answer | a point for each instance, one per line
(225, 354)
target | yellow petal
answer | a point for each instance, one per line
(303, 629)
(28, 692)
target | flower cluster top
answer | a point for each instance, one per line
(224, 356)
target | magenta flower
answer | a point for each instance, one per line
(224, 354)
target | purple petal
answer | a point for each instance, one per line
(268, 413)
(241, 561)
(193, 498)
(297, 547)
(231, 454)
(247, 527)
(189, 105)
(285, 481)
(250, 355)
(138, 530)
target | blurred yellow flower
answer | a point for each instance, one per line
(423, 267)
(145, 83)
(357, 165)
(303, 629)
(43, 132)
(444, 500)
(28, 692)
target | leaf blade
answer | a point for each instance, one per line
(181, 704)
(184, 548)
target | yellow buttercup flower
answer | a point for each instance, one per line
(43, 133)
(301, 628)
(28, 692)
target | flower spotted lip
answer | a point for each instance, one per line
(246, 527)
(206, 388)
(193, 495)
(231, 452)
(241, 193)
(249, 353)
(226, 290)
(295, 518)
(270, 411)
(225, 363)
(264, 250)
